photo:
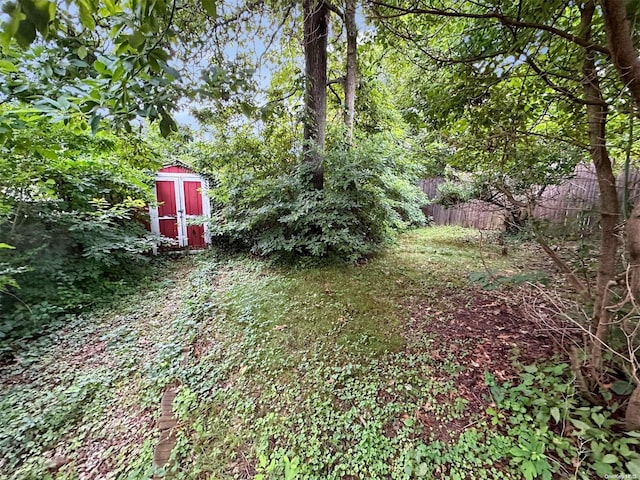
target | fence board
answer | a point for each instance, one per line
(575, 198)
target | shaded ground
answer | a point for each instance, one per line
(82, 401)
(348, 371)
(487, 332)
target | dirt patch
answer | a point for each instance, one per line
(485, 328)
(483, 332)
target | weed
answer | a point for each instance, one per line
(554, 430)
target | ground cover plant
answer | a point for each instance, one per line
(80, 400)
(398, 367)
(449, 84)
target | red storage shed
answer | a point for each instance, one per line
(181, 198)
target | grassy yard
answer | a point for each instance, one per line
(396, 368)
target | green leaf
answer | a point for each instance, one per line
(210, 7)
(153, 63)
(530, 369)
(580, 425)
(95, 123)
(26, 33)
(48, 153)
(167, 125)
(86, 13)
(7, 67)
(518, 452)
(528, 469)
(246, 108)
(39, 13)
(172, 72)
(100, 67)
(609, 458)
(622, 387)
(602, 469)
(111, 7)
(634, 467)
(10, 27)
(159, 54)
(555, 413)
(137, 39)
(422, 470)
(82, 52)
(598, 418)
(6, 245)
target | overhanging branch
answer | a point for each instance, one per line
(499, 17)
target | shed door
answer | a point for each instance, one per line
(167, 208)
(192, 197)
(179, 202)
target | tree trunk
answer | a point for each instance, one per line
(625, 59)
(632, 415)
(610, 210)
(633, 247)
(351, 77)
(623, 51)
(316, 24)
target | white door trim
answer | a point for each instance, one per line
(181, 217)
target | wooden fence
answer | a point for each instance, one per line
(576, 199)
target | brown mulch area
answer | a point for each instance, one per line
(490, 325)
(484, 331)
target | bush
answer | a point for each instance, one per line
(368, 196)
(555, 432)
(67, 261)
(68, 233)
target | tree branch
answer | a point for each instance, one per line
(560, 89)
(501, 18)
(334, 9)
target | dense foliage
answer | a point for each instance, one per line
(504, 98)
(71, 208)
(369, 195)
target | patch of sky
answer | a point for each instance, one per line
(504, 65)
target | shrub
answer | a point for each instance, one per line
(368, 196)
(68, 203)
(555, 431)
(67, 261)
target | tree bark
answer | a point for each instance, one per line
(351, 77)
(610, 210)
(623, 51)
(633, 247)
(316, 25)
(625, 58)
(632, 414)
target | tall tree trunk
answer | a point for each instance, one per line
(623, 51)
(610, 209)
(632, 415)
(351, 77)
(316, 24)
(625, 58)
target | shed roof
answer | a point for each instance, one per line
(176, 166)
